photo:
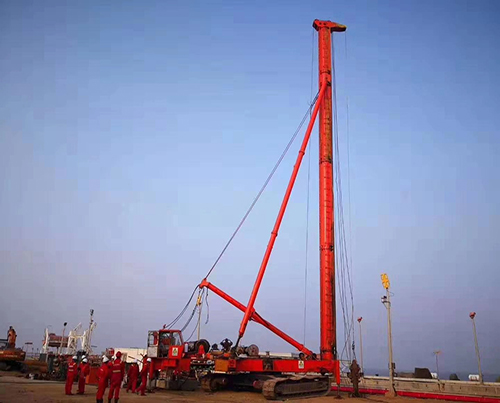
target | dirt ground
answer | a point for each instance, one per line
(18, 389)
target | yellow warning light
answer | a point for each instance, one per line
(385, 281)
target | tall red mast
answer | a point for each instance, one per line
(328, 346)
(327, 244)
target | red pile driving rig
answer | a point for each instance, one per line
(304, 375)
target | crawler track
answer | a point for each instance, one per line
(296, 387)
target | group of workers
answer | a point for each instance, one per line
(74, 370)
(110, 373)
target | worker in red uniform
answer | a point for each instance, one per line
(84, 369)
(11, 337)
(117, 373)
(71, 374)
(102, 378)
(144, 376)
(132, 375)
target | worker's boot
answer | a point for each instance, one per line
(116, 400)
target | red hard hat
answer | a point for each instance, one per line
(118, 354)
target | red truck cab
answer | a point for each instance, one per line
(165, 343)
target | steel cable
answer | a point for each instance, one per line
(308, 199)
(264, 186)
(343, 272)
(183, 310)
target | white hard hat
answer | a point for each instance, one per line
(135, 361)
(105, 359)
(75, 357)
(84, 360)
(149, 360)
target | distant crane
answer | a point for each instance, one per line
(76, 339)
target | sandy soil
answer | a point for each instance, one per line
(18, 389)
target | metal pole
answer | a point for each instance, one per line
(199, 321)
(361, 344)
(62, 339)
(436, 353)
(386, 300)
(89, 334)
(473, 316)
(392, 391)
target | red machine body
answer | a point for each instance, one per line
(277, 377)
(175, 360)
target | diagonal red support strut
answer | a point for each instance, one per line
(256, 317)
(274, 234)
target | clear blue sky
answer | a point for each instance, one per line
(133, 136)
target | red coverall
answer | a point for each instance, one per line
(117, 373)
(70, 376)
(103, 377)
(133, 374)
(84, 371)
(144, 378)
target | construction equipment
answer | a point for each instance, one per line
(69, 345)
(14, 359)
(11, 358)
(237, 366)
(53, 340)
(175, 361)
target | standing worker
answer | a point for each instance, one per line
(132, 375)
(144, 376)
(355, 374)
(84, 369)
(117, 373)
(11, 337)
(102, 377)
(70, 375)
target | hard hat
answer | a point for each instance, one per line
(118, 354)
(105, 359)
(83, 357)
(75, 357)
(149, 359)
(135, 361)
(84, 360)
